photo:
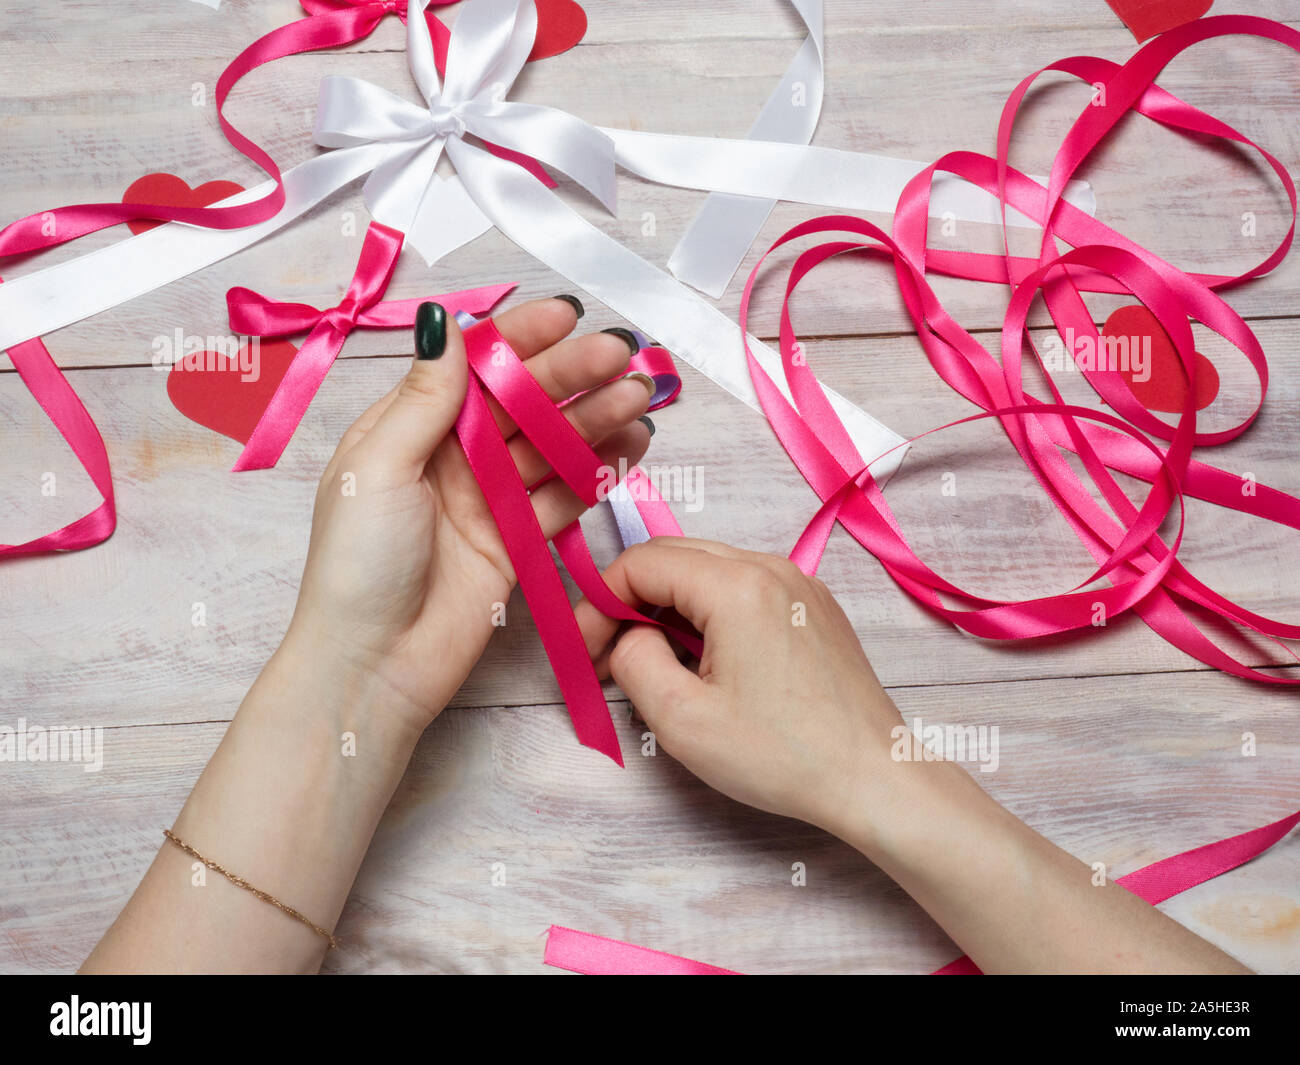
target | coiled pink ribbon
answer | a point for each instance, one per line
(326, 331)
(1144, 572)
(592, 955)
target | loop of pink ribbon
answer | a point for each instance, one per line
(68, 414)
(496, 369)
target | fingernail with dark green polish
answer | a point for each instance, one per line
(430, 331)
(625, 335)
(645, 420)
(573, 302)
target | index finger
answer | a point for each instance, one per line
(667, 571)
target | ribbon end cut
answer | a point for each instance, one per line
(593, 955)
(247, 461)
(613, 751)
(610, 199)
(603, 739)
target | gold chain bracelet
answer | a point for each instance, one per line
(239, 881)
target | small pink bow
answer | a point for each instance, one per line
(254, 315)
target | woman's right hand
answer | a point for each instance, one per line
(785, 712)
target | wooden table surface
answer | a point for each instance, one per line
(1115, 745)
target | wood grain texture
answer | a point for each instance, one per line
(1120, 772)
(1115, 745)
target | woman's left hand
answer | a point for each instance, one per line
(406, 566)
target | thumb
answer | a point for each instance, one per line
(663, 690)
(429, 398)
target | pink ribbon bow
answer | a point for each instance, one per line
(326, 330)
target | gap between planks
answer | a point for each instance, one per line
(768, 340)
(626, 704)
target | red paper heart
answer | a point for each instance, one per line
(209, 388)
(171, 191)
(1146, 18)
(560, 25)
(1165, 388)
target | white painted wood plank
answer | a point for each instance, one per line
(181, 29)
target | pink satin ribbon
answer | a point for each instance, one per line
(592, 955)
(327, 25)
(255, 315)
(496, 369)
(65, 410)
(1144, 572)
(657, 364)
(47, 229)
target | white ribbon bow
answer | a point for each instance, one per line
(490, 43)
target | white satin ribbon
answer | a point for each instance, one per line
(821, 177)
(38, 303)
(715, 243)
(631, 526)
(496, 35)
(660, 306)
(48, 299)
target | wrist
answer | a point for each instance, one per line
(898, 811)
(313, 685)
(290, 801)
